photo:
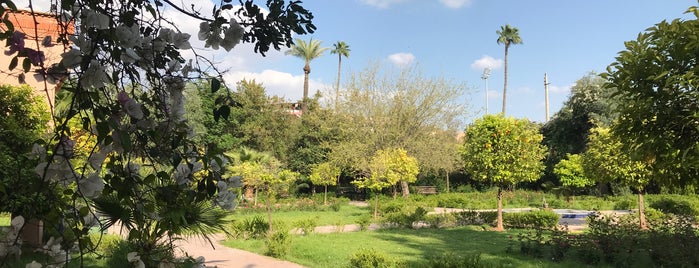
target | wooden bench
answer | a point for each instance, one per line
(425, 189)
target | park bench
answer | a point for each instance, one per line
(426, 189)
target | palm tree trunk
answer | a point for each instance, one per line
(499, 227)
(306, 71)
(641, 211)
(504, 89)
(337, 87)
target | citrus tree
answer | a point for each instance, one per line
(504, 151)
(606, 160)
(388, 167)
(325, 174)
(571, 174)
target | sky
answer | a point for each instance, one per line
(454, 39)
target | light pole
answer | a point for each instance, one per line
(486, 74)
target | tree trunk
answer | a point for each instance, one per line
(376, 206)
(395, 191)
(337, 88)
(306, 71)
(248, 192)
(405, 191)
(255, 203)
(641, 211)
(269, 212)
(325, 196)
(447, 181)
(504, 88)
(499, 227)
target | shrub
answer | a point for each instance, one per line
(307, 225)
(278, 241)
(450, 260)
(406, 216)
(364, 222)
(624, 204)
(473, 217)
(371, 258)
(672, 206)
(441, 220)
(533, 219)
(253, 228)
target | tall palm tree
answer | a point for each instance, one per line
(307, 51)
(341, 49)
(507, 35)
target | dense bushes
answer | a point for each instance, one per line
(371, 258)
(533, 219)
(672, 241)
(253, 228)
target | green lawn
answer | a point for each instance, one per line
(411, 246)
(348, 214)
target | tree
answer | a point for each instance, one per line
(571, 173)
(656, 80)
(588, 105)
(341, 49)
(388, 167)
(504, 151)
(24, 120)
(325, 174)
(507, 35)
(606, 160)
(306, 51)
(383, 110)
(127, 76)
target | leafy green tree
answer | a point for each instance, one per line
(656, 80)
(388, 167)
(588, 105)
(325, 174)
(24, 120)
(571, 174)
(273, 181)
(507, 35)
(606, 161)
(504, 151)
(341, 49)
(251, 165)
(307, 51)
(382, 110)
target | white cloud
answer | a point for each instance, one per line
(560, 89)
(277, 83)
(401, 59)
(486, 62)
(456, 3)
(382, 3)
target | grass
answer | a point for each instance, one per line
(414, 247)
(348, 214)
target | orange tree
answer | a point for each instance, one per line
(504, 151)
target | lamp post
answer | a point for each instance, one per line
(486, 74)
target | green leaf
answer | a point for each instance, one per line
(215, 85)
(13, 63)
(26, 64)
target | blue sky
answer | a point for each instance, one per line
(456, 39)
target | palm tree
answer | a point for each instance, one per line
(341, 49)
(507, 35)
(306, 51)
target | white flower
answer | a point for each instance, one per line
(94, 19)
(174, 65)
(128, 36)
(133, 109)
(182, 174)
(71, 58)
(236, 181)
(214, 163)
(94, 76)
(181, 41)
(204, 31)
(129, 56)
(17, 222)
(232, 35)
(39, 151)
(199, 262)
(33, 264)
(132, 168)
(196, 167)
(134, 258)
(97, 159)
(91, 186)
